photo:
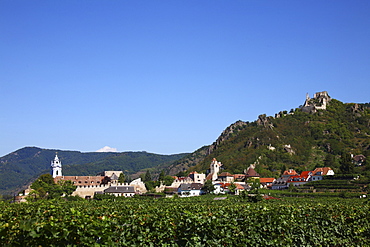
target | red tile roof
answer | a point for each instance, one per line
(267, 180)
(323, 170)
(290, 172)
(239, 176)
(225, 174)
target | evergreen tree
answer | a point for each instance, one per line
(346, 164)
(121, 178)
(330, 161)
(148, 176)
(161, 176)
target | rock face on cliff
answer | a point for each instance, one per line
(226, 134)
(319, 101)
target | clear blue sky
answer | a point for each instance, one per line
(169, 76)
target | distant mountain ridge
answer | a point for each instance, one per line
(20, 167)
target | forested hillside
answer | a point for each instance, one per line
(19, 168)
(298, 139)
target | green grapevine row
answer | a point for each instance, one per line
(177, 222)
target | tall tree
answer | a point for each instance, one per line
(346, 164)
(121, 178)
(148, 176)
(330, 160)
(161, 176)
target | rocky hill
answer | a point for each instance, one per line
(312, 135)
(21, 167)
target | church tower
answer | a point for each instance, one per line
(56, 167)
(215, 168)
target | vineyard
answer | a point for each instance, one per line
(199, 221)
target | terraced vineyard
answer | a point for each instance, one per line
(199, 221)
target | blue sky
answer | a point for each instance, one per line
(169, 76)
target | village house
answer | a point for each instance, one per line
(319, 173)
(193, 189)
(181, 180)
(225, 188)
(358, 160)
(126, 191)
(300, 179)
(280, 183)
(239, 177)
(289, 173)
(267, 182)
(198, 177)
(225, 177)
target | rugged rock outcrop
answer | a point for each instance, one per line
(226, 134)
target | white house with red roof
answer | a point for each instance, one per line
(319, 173)
(289, 173)
(267, 182)
(299, 179)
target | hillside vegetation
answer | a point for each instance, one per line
(297, 140)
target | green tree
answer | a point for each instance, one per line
(346, 164)
(161, 176)
(148, 176)
(45, 188)
(150, 185)
(182, 174)
(121, 178)
(67, 187)
(208, 187)
(330, 160)
(232, 188)
(168, 180)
